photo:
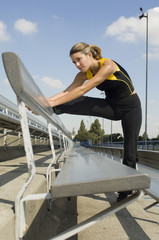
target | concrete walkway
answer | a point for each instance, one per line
(132, 223)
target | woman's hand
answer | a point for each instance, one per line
(51, 101)
(31, 110)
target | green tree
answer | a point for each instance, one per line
(95, 132)
(82, 134)
(140, 138)
(155, 139)
(144, 136)
(106, 138)
(116, 137)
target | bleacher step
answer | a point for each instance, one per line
(13, 174)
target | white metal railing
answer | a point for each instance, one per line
(28, 93)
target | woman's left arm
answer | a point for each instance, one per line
(108, 68)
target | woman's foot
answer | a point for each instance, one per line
(123, 195)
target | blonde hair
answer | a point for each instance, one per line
(85, 49)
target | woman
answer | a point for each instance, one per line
(121, 103)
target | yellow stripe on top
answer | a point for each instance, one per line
(102, 60)
(111, 77)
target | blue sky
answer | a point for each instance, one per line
(42, 32)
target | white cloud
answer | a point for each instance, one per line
(54, 16)
(24, 26)
(4, 36)
(152, 102)
(55, 83)
(125, 29)
(132, 29)
(153, 16)
(153, 53)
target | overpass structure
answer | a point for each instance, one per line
(11, 132)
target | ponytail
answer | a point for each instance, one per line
(85, 49)
(96, 51)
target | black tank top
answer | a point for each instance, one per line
(117, 85)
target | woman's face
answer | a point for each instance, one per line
(82, 61)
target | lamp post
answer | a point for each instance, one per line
(140, 17)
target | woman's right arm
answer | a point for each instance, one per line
(78, 81)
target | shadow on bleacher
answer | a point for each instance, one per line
(62, 216)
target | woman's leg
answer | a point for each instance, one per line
(88, 106)
(131, 123)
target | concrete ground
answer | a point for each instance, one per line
(133, 222)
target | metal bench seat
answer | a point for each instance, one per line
(86, 172)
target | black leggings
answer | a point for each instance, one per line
(128, 110)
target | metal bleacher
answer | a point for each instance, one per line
(83, 173)
(148, 162)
